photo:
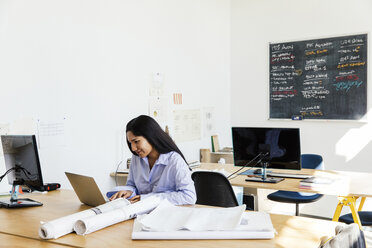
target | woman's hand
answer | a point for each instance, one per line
(135, 198)
(121, 194)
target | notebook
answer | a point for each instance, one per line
(86, 189)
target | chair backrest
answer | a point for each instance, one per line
(346, 236)
(213, 189)
(312, 161)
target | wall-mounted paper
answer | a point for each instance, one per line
(51, 133)
(177, 98)
(186, 125)
(208, 122)
(158, 108)
(157, 85)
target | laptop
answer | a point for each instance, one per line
(86, 189)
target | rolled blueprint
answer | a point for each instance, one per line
(65, 225)
(87, 225)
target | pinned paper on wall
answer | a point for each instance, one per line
(157, 85)
(177, 98)
(186, 125)
(158, 108)
(208, 122)
(51, 133)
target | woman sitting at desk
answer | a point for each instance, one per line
(157, 167)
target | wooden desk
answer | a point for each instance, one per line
(25, 222)
(9, 240)
(355, 185)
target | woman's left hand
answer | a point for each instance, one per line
(135, 198)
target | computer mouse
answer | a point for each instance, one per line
(257, 171)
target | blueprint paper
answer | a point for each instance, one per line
(64, 225)
(192, 219)
(93, 223)
(256, 222)
(160, 218)
(254, 225)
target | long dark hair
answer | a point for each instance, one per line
(147, 127)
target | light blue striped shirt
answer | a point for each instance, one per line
(169, 178)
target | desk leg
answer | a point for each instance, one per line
(361, 203)
(347, 201)
(337, 214)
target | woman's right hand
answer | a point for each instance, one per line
(121, 194)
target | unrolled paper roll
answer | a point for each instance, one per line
(65, 225)
(94, 223)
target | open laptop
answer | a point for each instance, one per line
(86, 189)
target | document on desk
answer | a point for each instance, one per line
(59, 227)
(93, 223)
(202, 223)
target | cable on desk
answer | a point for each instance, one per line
(250, 161)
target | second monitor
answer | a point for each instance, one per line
(277, 148)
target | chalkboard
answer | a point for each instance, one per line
(319, 79)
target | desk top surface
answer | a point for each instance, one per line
(351, 183)
(25, 222)
(9, 240)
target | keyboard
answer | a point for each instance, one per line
(287, 175)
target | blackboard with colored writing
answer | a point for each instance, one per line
(319, 79)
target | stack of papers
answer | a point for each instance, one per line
(317, 182)
(202, 223)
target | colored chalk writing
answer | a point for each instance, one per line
(319, 79)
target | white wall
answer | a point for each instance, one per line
(344, 145)
(91, 62)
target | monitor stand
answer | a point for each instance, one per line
(264, 178)
(19, 203)
(15, 202)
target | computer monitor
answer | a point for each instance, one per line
(22, 166)
(277, 148)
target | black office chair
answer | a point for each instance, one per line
(364, 216)
(308, 161)
(213, 189)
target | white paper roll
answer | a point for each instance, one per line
(97, 222)
(93, 223)
(64, 225)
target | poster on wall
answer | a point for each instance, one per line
(208, 122)
(186, 125)
(51, 133)
(158, 108)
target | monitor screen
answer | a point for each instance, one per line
(21, 151)
(282, 146)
